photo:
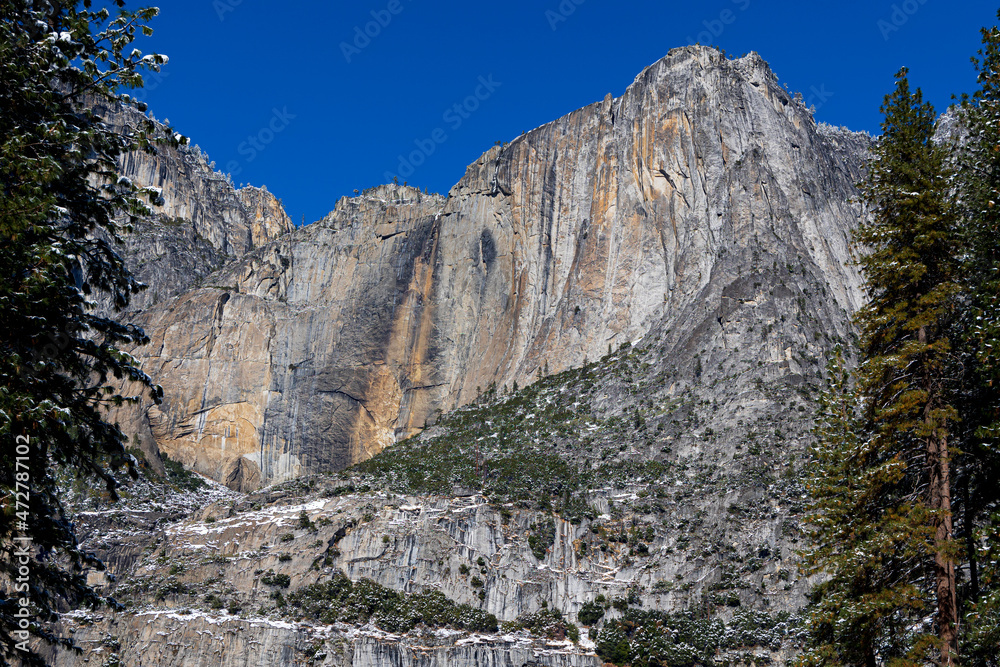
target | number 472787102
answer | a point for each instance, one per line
(22, 480)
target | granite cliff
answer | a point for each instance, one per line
(677, 208)
(574, 391)
(201, 222)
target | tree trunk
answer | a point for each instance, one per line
(944, 565)
(940, 501)
(870, 660)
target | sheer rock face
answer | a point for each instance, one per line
(690, 205)
(409, 544)
(193, 639)
(299, 356)
(264, 215)
(202, 223)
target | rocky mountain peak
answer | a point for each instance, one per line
(574, 389)
(382, 202)
(266, 215)
(675, 208)
(203, 220)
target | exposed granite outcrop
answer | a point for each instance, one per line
(671, 208)
(181, 638)
(298, 356)
(202, 221)
(698, 225)
(180, 561)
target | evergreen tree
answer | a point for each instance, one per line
(882, 512)
(980, 187)
(62, 208)
(977, 335)
(855, 611)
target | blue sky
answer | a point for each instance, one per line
(294, 95)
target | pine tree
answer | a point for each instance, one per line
(882, 513)
(62, 209)
(854, 611)
(980, 186)
(977, 335)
